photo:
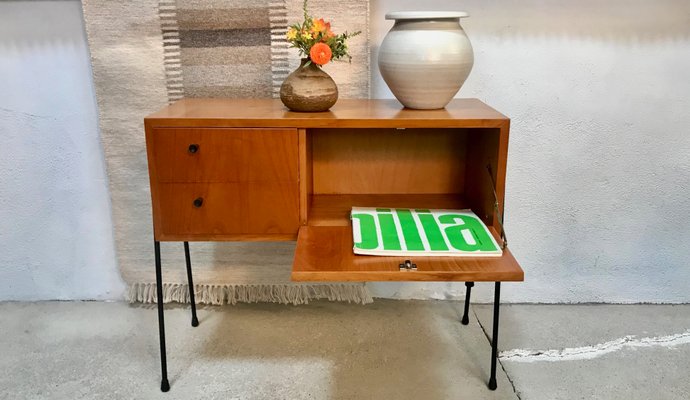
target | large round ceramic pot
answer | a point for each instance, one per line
(309, 89)
(426, 57)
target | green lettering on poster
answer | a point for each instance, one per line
(409, 230)
(367, 228)
(432, 231)
(455, 233)
(389, 234)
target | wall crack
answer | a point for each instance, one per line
(598, 350)
(22, 113)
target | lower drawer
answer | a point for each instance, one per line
(225, 209)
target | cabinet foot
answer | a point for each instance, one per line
(165, 385)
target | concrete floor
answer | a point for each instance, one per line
(387, 350)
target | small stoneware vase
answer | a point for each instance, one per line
(309, 89)
(426, 57)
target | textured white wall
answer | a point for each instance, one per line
(598, 185)
(56, 238)
(597, 204)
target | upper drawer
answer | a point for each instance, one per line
(223, 155)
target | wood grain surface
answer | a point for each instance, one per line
(229, 208)
(347, 113)
(247, 180)
(370, 161)
(324, 253)
(306, 181)
(225, 155)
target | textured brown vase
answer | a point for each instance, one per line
(309, 89)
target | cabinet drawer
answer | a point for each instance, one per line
(235, 208)
(224, 155)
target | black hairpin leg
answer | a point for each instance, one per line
(195, 320)
(465, 318)
(165, 385)
(494, 338)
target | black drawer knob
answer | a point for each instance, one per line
(198, 202)
(193, 148)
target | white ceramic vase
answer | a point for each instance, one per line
(426, 57)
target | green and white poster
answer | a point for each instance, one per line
(421, 232)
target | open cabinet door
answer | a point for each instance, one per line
(324, 253)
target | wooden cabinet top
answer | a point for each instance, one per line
(347, 113)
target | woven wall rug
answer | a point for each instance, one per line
(146, 54)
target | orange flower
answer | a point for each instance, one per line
(319, 25)
(320, 53)
(329, 33)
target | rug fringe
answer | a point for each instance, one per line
(233, 294)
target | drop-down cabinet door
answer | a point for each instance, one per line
(324, 253)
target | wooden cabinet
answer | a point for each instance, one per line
(223, 169)
(251, 170)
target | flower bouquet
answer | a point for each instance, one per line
(309, 88)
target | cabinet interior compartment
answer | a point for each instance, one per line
(406, 168)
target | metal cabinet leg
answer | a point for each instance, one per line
(465, 318)
(195, 320)
(165, 385)
(494, 337)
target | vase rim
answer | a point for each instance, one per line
(397, 15)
